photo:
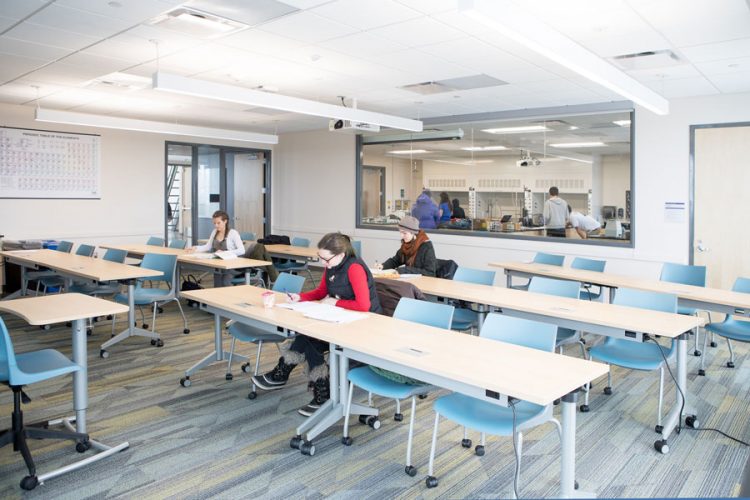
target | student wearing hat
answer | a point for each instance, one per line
(416, 255)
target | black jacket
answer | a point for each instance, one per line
(424, 263)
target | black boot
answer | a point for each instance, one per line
(321, 394)
(276, 378)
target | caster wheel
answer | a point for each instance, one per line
(68, 324)
(161, 310)
(398, 417)
(466, 443)
(556, 402)
(479, 450)
(185, 382)
(661, 446)
(89, 332)
(373, 422)
(186, 331)
(252, 395)
(608, 391)
(46, 327)
(692, 421)
(730, 364)
(658, 429)
(307, 448)
(159, 343)
(363, 419)
(584, 408)
(228, 376)
(422, 396)
(29, 483)
(153, 341)
(713, 344)
(575, 485)
(82, 447)
(410, 470)
(109, 317)
(144, 326)
(431, 482)
(702, 372)
(295, 442)
(104, 354)
(346, 441)
(96, 320)
(246, 368)
(696, 353)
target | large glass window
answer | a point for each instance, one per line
(498, 178)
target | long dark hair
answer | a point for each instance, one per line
(221, 214)
(337, 243)
(444, 198)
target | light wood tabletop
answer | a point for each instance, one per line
(59, 308)
(309, 253)
(139, 250)
(610, 315)
(528, 374)
(217, 263)
(80, 266)
(687, 292)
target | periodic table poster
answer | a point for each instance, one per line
(46, 164)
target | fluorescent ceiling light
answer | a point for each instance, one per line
(485, 148)
(622, 123)
(516, 130)
(70, 118)
(512, 21)
(229, 93)
(429, 135)
(593, 144)
(408, 151)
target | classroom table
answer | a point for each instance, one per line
(292, 252)
(488, 370)
(611, 320)
(76, 308)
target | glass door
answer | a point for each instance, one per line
(246, 173)
(208, 181)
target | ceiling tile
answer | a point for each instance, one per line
(64, 74)
(251, 13)
(305, 4)
(418, 32)
(307, 27)
(656, 74)
(16, 66)
(133, 11)
(6, 22)
(424, 66)
(631, 43)
(730, 83)
(50, 36)
(78, 21)
(261, 42)
(363, 44)
(71, 98)
(430, 6)
(724, 66)
(366, 14)
(684, 87)
(27, 49)
(103, 65)
(19, 9)
(717, 51)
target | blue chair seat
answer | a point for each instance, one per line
(690, 311)
(372, 382)
(589, 295)
(564, 334)
(485, 417)
(42, 365)
(145, 296)
(247, 333)
(731, 329)
(288, 265)
(463, 319)
(643, 356)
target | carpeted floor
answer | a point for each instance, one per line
(209, 440)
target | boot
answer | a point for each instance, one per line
(321, 394)
(276, 378)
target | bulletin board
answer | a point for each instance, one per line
(48, 164)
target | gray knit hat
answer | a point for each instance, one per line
(409, 223)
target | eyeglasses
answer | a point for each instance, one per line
(328, 260)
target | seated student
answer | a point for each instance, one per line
(444, 210)
(458, 211)
(347, 283)
(416, 255)
(222, 238)
(583, 224)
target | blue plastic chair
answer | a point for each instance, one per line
(155, 241)
(261, 332)
(58, 281)
(64, 247)
(489, 418)
(589, 265)
(686, 275)
(357, 245)
(463, 318)
(293, 266)
(730, 328)
(560, 288)
(645, 356)
(18, 370)
(179, 244)
(247, 236)
(155, 296)
(372, 379)
(542, 258)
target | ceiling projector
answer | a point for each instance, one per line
(351, 126)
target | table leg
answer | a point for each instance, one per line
(676, 413)
(215, 356)
(568, 449)
(508, 278)
(131, 330)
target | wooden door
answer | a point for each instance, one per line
(248, 193)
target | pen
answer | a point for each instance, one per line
(290, 296)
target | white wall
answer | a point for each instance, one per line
(131, 207)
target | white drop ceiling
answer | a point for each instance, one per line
(51, 50)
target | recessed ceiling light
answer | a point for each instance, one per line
(408, 151)
(572, 127)
(516, 130)
(593, 144)
(484, 148)
(622, 123)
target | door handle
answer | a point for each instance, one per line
(701, 247)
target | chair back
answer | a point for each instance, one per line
(683, 274)
(549, 259)
(7, 356)
(549, 286)
(588, 264)
(155, 241)
(65, 246)
(357, 245)
(424, 312)
(300, 242)
(247, 236)
(160, 262)
(741, 285)
(180, 244)
(288, 282)
(477, 276)
(519, 331)
(115, 255)
(85, 250)
(665, 302)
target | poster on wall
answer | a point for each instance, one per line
(48, 164)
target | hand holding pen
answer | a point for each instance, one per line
(293, 297)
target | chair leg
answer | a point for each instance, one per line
(519, 451)
(558, 427)
(409, 467)
(431, 466)
(347, 413)
(369, 399)
(182, 313)
(583, 349)
(661, 398)
(114, 320)
(608, 389)
(398, 416)
(702, 370)
(731, 354)
(231, 354)
(154, 307)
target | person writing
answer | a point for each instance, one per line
(555, 214)
(444, 209)
(425, 211)
(416, 255)
(222, 238)
(347, 283)
(583, 224)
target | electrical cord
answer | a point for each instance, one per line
(682, 407)
(512, 403)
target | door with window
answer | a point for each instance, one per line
(246, 189)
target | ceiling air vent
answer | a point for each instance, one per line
(454, 84)
(649, 59)
(196, 23)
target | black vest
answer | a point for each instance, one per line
(337, 282)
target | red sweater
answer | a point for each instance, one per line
(358, 280)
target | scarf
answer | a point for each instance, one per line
(409, 250)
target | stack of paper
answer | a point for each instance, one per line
(323, 312)
(226, 255)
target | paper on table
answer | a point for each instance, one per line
(323, 312)
(226, 255)
(383, 272)
(408, 276)
(203, 255)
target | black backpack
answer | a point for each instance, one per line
(190, 283)
(445, 269)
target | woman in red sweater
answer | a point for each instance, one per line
(347, 283)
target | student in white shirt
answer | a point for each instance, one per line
(222, 239)
(583, 224)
